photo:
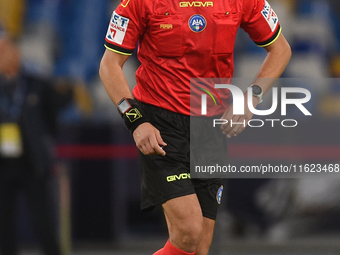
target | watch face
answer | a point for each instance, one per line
(256, 90)
(123, 106)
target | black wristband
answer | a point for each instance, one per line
(132, 114)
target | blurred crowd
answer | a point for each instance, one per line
(62, 42)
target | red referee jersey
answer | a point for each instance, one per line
(180, 40)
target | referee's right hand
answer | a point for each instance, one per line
(148, 139)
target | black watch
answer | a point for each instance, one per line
(132, 113)
(257, 92)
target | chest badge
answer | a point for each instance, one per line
(197, 23)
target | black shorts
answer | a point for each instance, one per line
(167, 177)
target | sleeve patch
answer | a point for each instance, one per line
(117, 29)
(270, 16)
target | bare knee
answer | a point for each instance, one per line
(185, 222)
(187, 235)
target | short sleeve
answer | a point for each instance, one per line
(260, 22)
(125, 27)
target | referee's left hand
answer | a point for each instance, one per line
(230, 129)
(148, 139)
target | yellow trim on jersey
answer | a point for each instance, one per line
(124, 5)
(278, 34)
(119, 52)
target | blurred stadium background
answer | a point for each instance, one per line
(96, 181)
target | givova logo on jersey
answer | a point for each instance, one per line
(197, 23)
(270, 16)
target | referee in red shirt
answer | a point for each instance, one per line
(177, 41)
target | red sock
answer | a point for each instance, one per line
(169, 249)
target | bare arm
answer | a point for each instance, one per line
(278, 56)
(112, 76)
(147, 138)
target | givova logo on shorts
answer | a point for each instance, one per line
(175, 177)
